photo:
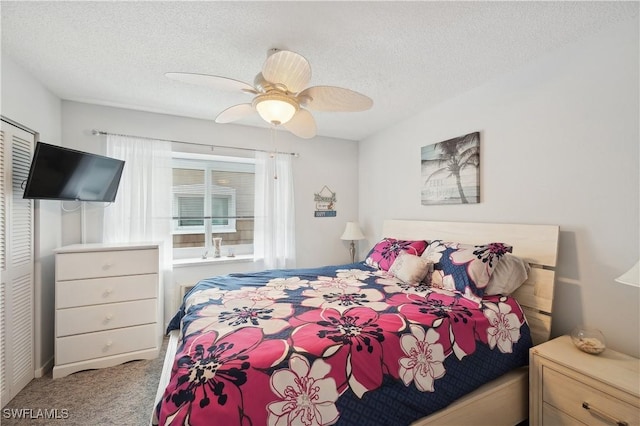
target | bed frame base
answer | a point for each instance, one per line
(170, 354)
(502, 402)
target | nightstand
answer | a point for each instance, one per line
(568, 386)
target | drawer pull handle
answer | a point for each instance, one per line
(108, 318)
(107, 265)
(603, 415)
(108, 345)
(108, 292)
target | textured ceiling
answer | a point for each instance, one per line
(406, 56)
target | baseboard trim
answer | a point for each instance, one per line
(42, 371)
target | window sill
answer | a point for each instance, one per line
(183, 263)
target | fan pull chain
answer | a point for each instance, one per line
(275, 153)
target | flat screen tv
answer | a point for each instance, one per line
(59, 173)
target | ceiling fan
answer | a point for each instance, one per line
(281, 97)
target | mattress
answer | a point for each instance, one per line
(344, 344)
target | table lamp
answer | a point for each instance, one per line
(352, 232)
(631, 277)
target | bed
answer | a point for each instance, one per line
(351, 344)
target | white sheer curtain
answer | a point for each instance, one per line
(142, 209)
(274, 229)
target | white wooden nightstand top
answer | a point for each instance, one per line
(611, 367)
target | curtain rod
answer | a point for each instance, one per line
(102, 133)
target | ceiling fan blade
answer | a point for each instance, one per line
(288, 68)
(302, 124)
(235, 113)
(213, 81)
(331, 98)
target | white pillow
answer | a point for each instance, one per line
(510, 273)
(409, 268)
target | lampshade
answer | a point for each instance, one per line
(631, 277)
(275, 108)
(352, 232)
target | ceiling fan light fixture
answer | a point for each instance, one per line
(282, 96)
(275, 108)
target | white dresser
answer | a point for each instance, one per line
(108, 305)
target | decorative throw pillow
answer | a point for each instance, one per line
(385, 252)
(510, 273)
(410, 269)
(470, 266)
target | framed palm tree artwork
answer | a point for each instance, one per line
(451, 171)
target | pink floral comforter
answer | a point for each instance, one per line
(336, 345)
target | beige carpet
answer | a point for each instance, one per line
(121, 395)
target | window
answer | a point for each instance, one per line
(213, 197)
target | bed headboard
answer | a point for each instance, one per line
(537, 244)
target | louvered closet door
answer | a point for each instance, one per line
(16, 260)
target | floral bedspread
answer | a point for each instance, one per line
(343, 344)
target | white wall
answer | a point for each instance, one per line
(322, 161)
(27, 102)
(559, 145)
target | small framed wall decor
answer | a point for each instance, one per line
(451, 171)
(325, 203)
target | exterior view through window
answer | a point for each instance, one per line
(213, 197)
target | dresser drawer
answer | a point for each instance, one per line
(105, 317)
(554, 417)
(105, 343)
(568, 395)
(97, 264)
(105, 290)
